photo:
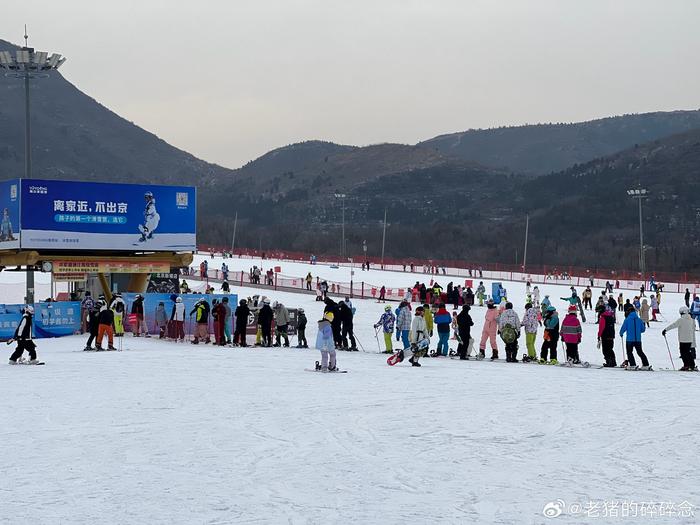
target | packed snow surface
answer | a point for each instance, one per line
(175, 433)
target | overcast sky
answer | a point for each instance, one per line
(228, 80)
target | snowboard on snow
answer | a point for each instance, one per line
(317, 368)
(23, 362)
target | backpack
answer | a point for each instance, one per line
(509, 334)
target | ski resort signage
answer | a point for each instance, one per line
(9, 215)
(87, 266)
(67, 215)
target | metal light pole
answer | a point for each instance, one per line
(527, 230)
(364, 249)
(28, 64)
(342, 246)
(383, 237)
(639, 194)
(233, 240)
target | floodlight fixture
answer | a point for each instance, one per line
(27, 65)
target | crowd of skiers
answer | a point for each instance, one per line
(502, 321)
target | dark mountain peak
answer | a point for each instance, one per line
(545, 148)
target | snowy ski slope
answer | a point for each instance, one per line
(175, 433)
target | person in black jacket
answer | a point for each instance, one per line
(346, 316)
(265, 318)
(332, 307)
(242, 312)
(23, 336)
(301, 329)
(92, 321)
(464, 328)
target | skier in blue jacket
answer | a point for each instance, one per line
(634, 327)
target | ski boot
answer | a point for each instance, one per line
(553, 362)
(482, 355)
(494, 356)
(542, 361)
(647, 368)
(88, 349)
(111, 348)
(318, 366)
(414, 363)
(12, 362)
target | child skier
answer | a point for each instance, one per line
(418, 337)
(571, 335)
(530, 323)
(386, 322)
(23, 336)
(326, 344)
(489, 331)
(464, 327)
(509, 330)
(634, 327)
(443, 320)
(606, 336)
(550, 336)
(686, 338)
(301, 329)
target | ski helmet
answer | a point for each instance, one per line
(178, 299)
(29, 309)
(387, 308)
(329, 316)
(683, 310)
(148, 195)
(243, 302)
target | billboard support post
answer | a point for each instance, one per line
(30, 286)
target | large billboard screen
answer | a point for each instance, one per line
(67, 215)
(9, 214)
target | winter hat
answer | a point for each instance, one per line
(509, 306)
(572, 309)
(683, 310)
(551, 309)
(419, 310)
(300, 310)
(528, 306)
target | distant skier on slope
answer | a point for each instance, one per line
(150, 218)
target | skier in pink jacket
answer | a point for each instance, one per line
(571, 335)
(489, 330)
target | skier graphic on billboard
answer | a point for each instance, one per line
(6, 233)
(150, 218)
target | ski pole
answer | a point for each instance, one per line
(376, 336)
(360, 343)
(669, 353)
